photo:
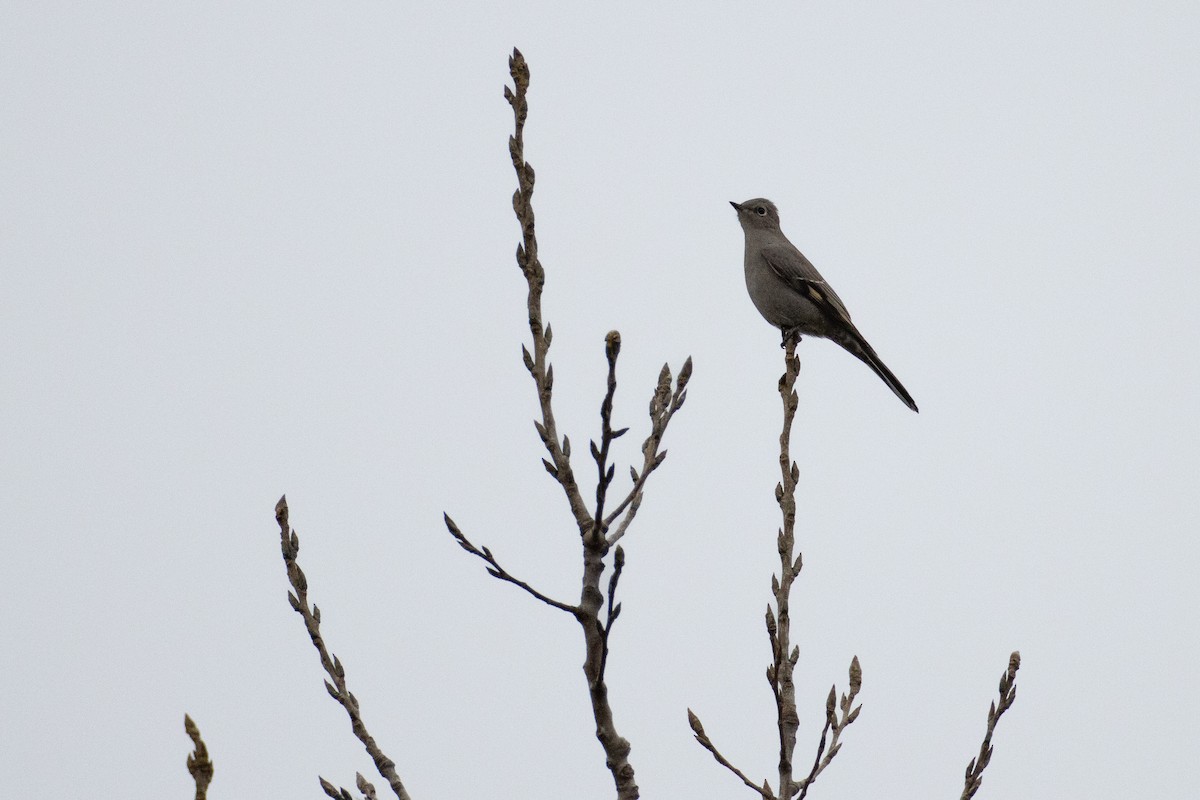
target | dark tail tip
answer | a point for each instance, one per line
(858, 346)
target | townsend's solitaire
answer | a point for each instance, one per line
(791, 295)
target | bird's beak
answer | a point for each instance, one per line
(736, 207)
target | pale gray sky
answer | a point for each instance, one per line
(253, 248)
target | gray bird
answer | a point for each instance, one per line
(791, 295)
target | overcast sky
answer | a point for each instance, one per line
(254, 248)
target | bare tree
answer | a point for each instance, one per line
(601, 521)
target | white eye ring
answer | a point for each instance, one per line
(760, 210)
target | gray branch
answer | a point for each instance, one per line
(973, 778)
(199, 765)
(336, 685)
(595, 612)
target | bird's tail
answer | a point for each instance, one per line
(856, 345)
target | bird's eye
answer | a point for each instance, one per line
(760, 210)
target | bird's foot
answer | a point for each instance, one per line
(792, 334)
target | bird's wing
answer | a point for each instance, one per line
(802, 277)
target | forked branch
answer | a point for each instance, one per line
(596, 612)
(784, 655)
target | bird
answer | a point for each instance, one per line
(791, 295)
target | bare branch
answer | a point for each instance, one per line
(973, 778)
(612, 348)
(707, 744)
(835, 724)
(198, 763)
(784, 655)
(614, 611)
(593, 524)
(535, 276)
(336, 685)
(783, 665)
(590, 525)
(497, 571)
(663, 406)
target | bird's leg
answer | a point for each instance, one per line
(789, 333)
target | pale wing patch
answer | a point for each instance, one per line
(795, 270)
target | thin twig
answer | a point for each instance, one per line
(834, 724)
(198, 763)
(706, 743)
(614, 611)
(663, 405)
(497, 571)
(559, 464)
(336, 686)
(973, 778)
(612, 348)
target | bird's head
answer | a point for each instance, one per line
(757, 213)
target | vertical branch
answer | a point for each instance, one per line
(198, 763)
(594, 524)
(595, 638)
(612, 348)
(781, 672)
(591, 525)
(784, 655)
(559, 465)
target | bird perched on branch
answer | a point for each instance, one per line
(791, 295)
